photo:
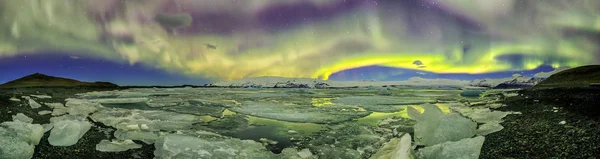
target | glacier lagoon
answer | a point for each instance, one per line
(274, 122)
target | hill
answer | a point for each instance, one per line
(41, 80)
(579, 77)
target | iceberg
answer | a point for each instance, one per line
(21, 117)
(67, 130)
(469, 148)
(434, 127)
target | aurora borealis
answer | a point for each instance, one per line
(307, 38)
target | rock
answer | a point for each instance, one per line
(116, 146)
(469, 148)
(21, 117)
(434, 127)
(180, 146)
(489, 128)
(44, 112)
(305, 153)
(292, 132)
(67, 130)
(396, 148)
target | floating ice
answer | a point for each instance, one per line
(486, 115)
(116, 146)
(396, 148)
(32, 102)
(41, 96)
(299, 113)
(179, 146)
(469, 148)
(489, 128)
(434, 127)
(143, 125)
(305, 153)
(44, 112)
(382, 103)
(67, 130)
(80, 107)
(14, 99)
(18, 139)
(21, 117)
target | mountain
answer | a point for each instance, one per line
(41, 80)
(516, 81)
(579, 77)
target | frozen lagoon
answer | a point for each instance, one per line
(270, 123)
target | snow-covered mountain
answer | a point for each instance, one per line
(516, 81)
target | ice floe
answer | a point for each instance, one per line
(468, 148)
(18, 138)
(116, 146)
(67, 130)
(434, 127)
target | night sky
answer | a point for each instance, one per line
(173, 42)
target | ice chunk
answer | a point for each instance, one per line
(59, 111)
(116, 146)
(44, 112)
(486, 115)
(80, 107)
(164, 102)
(396, 148)
(32, 102)
(14, 99)
(179, 146)
(21, 117)
(434, 127)
(18, 139)
(67, 130)
(41, 96)
(30, 133)
(55, 105)
(469, 148)
(489, 128)
(305, 153)
(145, 136)
(154, 120)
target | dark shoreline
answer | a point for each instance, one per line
(538, 132)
